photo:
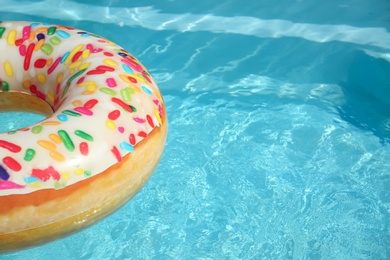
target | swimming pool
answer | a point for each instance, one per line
(279, 129)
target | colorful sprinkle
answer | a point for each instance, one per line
(84, 135)
(12, 163)
(66, 139)
(10, 146)
(113, 115)
(127, 147)
(84, 149)
(29, 155)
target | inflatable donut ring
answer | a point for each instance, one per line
(103, 135)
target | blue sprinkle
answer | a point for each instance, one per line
(122, 54)
(127, 69)
(127, 147)
(62, 117)
(85, 35)
(146, 90)
(34, 24)
(63, 34)
(31, 179)
(3, 174)
(66, 54)
(40, 36)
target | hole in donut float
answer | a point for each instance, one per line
(19, 110)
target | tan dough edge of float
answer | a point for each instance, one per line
(114, 188)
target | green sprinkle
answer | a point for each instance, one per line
(30, 153)
(55, 40)
(71, 113)
(87, 173)
(108, 91)
(46, 48)
(76, 75)
(133, 108)
(126, 94)
(84, 135)
(59, 185)
(2, 30)
(36, 129)
(66, 140)
(4, 86)
(51, 30)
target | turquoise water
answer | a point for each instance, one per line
(279, 129)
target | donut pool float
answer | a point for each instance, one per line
(103, 134)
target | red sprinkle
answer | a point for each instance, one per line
(12, 163)
(132, 139)
(90, 103)
(45, 174)
(54, 65)
(76, 56)
(122, 104)
(108, 54)
(116, 153)
(40, 63)
(27, 58)
(132, 79)
(95, 72)
(105, 68)
(84, 149)
(10, 146)
(142, 134)
(113, 115)
(150, 121)
(19, 42)
(22, 50)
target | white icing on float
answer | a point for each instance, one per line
(104, 103)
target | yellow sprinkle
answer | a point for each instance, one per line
(47, 145)
(71, 71)
(91, 87)
(42, 29)
(55, 138)
(110, 124)
(8, 69)
(87, 93)
(66, 176)
(85, 53)
(26, 84)
(50, 123)
(110, 62)
(59, 77)
(85, 83)
(124, 78)
(35, 184)
(32, 36)
(84, 66)
(49, 61)
(41, 78)
(157, 114)
(79, 171)
(39, 44)
(73, 52)
(74, 64)
(50, 97)
(136, 89)
(11, 38)
(77, 103)
(141, 79)
(57, 156)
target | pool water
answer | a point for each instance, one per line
(279, 129)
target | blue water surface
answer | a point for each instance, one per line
(279, 129)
